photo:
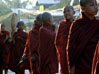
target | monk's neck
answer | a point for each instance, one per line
(91, 17)
(70, 20)
(21, 30)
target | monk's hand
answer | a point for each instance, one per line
(23, 60)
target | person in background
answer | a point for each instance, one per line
(19, 41)
(47, 52)
(62, 36)
(31, 46)
(4, 48)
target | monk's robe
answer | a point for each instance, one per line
(19, 40)
(95, 65)
(32, 45)
(83, 40)
(61, 42)
(4, 49)
(47, 51)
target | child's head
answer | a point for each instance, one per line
(47, 18)
(38, 20)
(89, 7)
(20, 25)
(68, 12)
(3, 27)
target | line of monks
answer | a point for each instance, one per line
(75, 45)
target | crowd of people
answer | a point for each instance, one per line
(75, 45)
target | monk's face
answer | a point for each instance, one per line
(3, 27)
(20, 26)
(91, 8)
(68, 13)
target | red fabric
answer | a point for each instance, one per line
(83, 40)
(95, 60)
(47, 51)
(17, 50)
(32, 45)
(4, 49)
(61, 42)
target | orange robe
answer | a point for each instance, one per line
(95, 65)
(32, 45)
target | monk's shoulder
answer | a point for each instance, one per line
(62, 22)
(77, 22)
(45, 32)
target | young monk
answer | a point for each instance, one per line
(84, 35)
(61, 38)
(47, 51)
(95, 65)
(4, 48)
(33, 43)
(19, 40)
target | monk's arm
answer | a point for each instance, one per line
(73, 44)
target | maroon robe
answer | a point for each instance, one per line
(17, 50)
(32, 45)
(61, 42)
(47, 51)
(95, 66)
(83, 40)
(4, 49)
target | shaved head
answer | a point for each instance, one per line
(46, 16)
(84, 2)
(70, 7)
(39, 17)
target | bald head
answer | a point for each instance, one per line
(39, 17)
(38, 20)
(3, 27)
(69, 7)
(84, 2)
(46, 16)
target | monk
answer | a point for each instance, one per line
(4, 48)
(84, 36)
(61, 38)
(33, 43)
(19, 40)
(47, 52)
(95, 65)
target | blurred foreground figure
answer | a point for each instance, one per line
(84, 36)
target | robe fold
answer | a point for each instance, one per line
(47, 52)
(60, 43)
(83, 40)
(95, 65)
